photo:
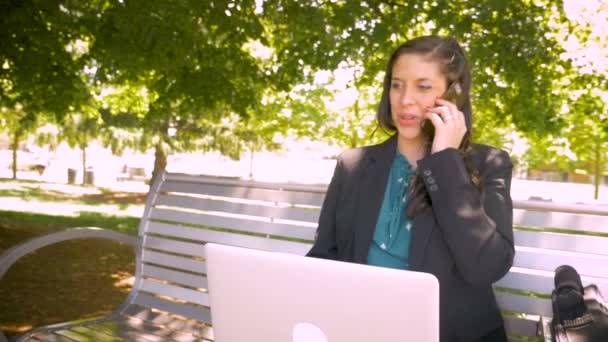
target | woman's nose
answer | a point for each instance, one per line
(406, 98)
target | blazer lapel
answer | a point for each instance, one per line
(370, 195)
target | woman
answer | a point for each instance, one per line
(427, 199)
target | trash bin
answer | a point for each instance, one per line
(89, 176)
(71, 176)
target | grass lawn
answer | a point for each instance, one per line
(69, 280)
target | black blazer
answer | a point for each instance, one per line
(465, 238)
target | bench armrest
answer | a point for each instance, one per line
(11, 255)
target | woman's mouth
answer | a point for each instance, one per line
(407, 119)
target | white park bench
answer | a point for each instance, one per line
(169, 300)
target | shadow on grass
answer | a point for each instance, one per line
(40, 223)
(30, 193)
(66, 281)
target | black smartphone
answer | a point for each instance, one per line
(453, 94)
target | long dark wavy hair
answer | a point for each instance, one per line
(455, 67)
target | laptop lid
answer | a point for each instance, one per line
(277, 297)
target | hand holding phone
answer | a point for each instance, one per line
(456, 96)
(453, 94)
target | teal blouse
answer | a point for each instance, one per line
(391, 242)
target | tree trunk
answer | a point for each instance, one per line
(14, 147)
(160, 161)
(598, 170)
(83, 148)
(354, 138)
(251, 163)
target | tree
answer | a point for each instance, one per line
(587, 135)
(514, 87)
(39, 74)
(193, 62)
(187, 57)
(582, 90)
(79, 130)
(18, 125)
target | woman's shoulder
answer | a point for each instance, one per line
(355, 156)
(486, 156)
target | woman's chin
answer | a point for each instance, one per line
(410, 133)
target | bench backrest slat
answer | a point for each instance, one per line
(174, 276)
(230, 238)
(185, 212)
(541, 281)
(199, 313)
(263, 209)
(562, 242)
(172, 246)
(179, 293)
(251, 193)
(524, 304)
(173, 261)
(549, 260)
(548, 219)
(519, 326)
(247, 224)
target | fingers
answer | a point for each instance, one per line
(435, 119)
(449, 111)
(449, 123)
(458, 115)
(445, 114)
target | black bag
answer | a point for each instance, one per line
(580, 314)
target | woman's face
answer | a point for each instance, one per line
(417, 81)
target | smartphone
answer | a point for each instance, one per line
(453, 94)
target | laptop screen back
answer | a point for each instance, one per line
(272, 297)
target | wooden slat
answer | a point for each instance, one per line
(174, 261)
(115, 328)
(541, 281)
(131, 335)
(97, 335)
(249, 224)
(564, 242)
(270, 195)
(254, 209)
(129, 328)
(547, 219)
(548, 260)
(524, 304)
(50, 337)
(176, 292)
(198, 313)
(235, 181)
(173, 246)
(174, 276)
(136, 316)
(586, 209)
(520, 326)
(225, 238)
(75, 336)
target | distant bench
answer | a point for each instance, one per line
(169, 300)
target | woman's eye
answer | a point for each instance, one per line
(424, 87)
(396, 85)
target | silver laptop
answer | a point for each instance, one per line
(276, 297)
